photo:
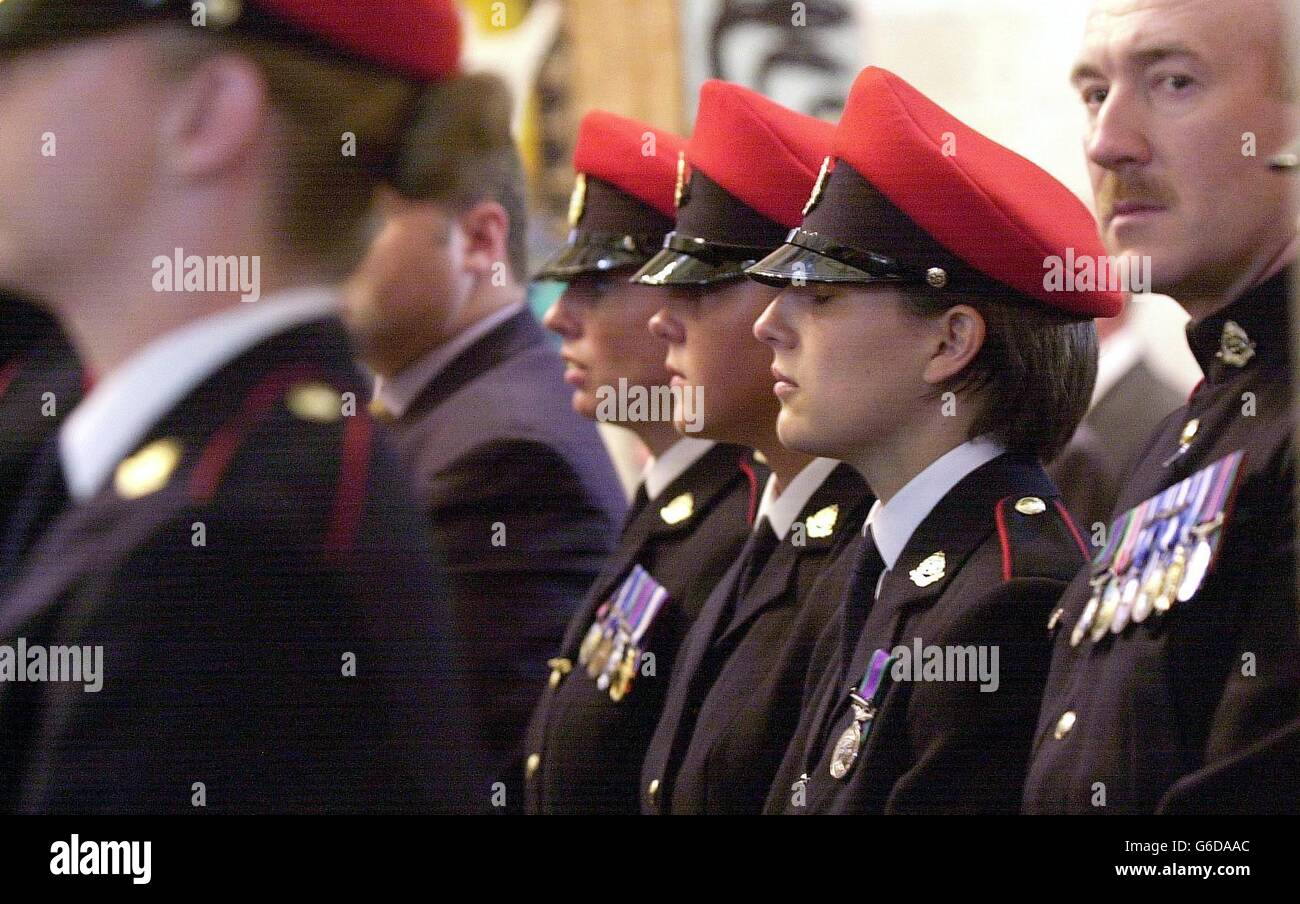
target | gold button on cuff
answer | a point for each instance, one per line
(1064, 724)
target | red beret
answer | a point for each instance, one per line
(916, 192)
(632, 156)
(759, 151)
(420, 38)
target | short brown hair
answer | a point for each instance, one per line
(1036, 370)
(327, 195)
(461, 152)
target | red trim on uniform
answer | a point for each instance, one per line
(88, 380)
(354, 473)
(1000, 516)
(1074, 531)
(220, 450)
(753, 488)
(7, 374)
(1196, 389)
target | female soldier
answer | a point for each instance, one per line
(733, 699)
(917, 340)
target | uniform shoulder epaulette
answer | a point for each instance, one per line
(1159, 552)
(1032, 531)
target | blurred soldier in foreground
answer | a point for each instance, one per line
(40, 382)
(1178, 649)
(589, 733)
(242, 571)
(520, 493)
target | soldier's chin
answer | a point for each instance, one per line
(797, 435)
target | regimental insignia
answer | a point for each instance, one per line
(929, 571)
(822, 524)
(148, 471)
(819, 187)
(578, 200)
(679, 509)
(1031, 505)
(682, 194)
(1235, 347)
(319, 403)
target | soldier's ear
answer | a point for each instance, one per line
(959, 335)
(215, 118)
(486, 228)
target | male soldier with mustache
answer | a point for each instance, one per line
(1176, 653)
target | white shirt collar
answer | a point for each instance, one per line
(781, 510)
(399, 393)
(661, 471)
(1119, 354)
(125, 405)
(894, 523)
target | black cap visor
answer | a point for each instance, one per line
(591, 255)
(808, 257)
(689, 261)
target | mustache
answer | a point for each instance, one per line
(1116, 189)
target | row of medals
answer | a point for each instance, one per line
(1118, 599)
(610, 657)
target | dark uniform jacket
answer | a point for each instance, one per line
(734, 698)
(40, 382)
(942, 746)
(585, 750)
(524, 504)
(1097, 462)
(234, 596)
(1185, 691)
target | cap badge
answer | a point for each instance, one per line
(822, 524)
(937, 277)
(578, 200)
(679, 509)
(315, 402)
(682, 194)
(148, 471)
(1235, 347)
(929, 571)
(819, 188)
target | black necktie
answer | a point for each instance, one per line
(861, 594)
(757, 550)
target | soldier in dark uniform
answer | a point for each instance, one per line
(242, 572)
(734, 696)
(693, 507)
(917, 341)
(40, 382)
(1177, 655)
(520, 493)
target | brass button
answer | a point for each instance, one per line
(1031, 505)
(534, 761)
(653, 790)
(1189, 432)
(1064, 724)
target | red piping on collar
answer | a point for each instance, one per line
(1074, 531)
(753, 488)
(1000, 516)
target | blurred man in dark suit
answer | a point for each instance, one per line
(1129, 403)
(40, 382)
(521, 494)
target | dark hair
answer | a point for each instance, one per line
(1036, 370)
(459, 151)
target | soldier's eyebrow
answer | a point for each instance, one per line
(1139, 59)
